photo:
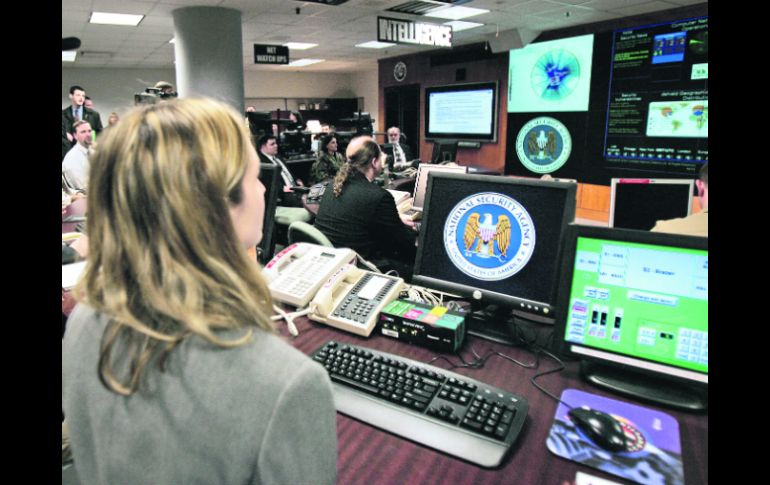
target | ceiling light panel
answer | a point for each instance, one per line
(115, 18)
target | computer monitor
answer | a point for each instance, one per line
(421, 181)
(444, 151)
(640, 203)
(495, 241)
(633, 306)
(270, 176)
(260, 122)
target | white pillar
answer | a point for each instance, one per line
(209, 54)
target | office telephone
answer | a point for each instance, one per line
(352, 299)
(295, 274)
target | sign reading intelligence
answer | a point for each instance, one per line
(409, 32)
(271, 54)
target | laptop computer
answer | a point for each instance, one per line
(421, 184)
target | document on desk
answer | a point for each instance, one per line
(70, 274)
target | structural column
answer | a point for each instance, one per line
(209, 54)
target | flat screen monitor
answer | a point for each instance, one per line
(421, 181)
(495, 241)
(462, 112)
(444, 151)
(552, 76)
(270, 176)
(657, 116)
(633, 306)
(640, 203)
(259, 121)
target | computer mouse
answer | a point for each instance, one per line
(600, 427)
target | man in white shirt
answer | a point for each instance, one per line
(75, 164)
(399, 154)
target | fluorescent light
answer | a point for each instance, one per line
(373, 44)
(460, 25)
(115, 18)
(68, 56)
(304, 62)
(456, 13)
(299, 45)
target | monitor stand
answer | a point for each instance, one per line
(645, 387)
(500, 324)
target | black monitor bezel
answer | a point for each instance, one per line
(436, 156)
(266, 246)
(475, 86)
(527, 306)
(657, 181)
(566, 270)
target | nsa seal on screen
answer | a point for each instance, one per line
(489, 236)
(543, 145)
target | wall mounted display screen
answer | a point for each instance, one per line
(553, 76)
(657, 116)
(462, 112)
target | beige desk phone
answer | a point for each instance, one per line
(352, 298)
(295, 274)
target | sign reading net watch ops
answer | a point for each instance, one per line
(408, 32)
(271, 54)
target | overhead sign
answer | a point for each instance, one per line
(410, 32)
(271, 54)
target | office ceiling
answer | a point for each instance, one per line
(335, 28)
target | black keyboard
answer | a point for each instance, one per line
(431, 406)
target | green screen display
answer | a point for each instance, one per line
(644, 301)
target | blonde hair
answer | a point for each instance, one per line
(165, 262)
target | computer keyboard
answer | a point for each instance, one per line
(440, 409)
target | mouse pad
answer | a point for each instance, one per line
(654, 453)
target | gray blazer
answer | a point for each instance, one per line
(262, 413)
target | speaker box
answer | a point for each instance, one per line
(511, 39)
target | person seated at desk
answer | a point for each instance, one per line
(171, 352)
(399, 154)
(358, 214)
(695, 224)
(75, 165)
(268, 153)
(329, 160)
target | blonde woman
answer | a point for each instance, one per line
(171, 371)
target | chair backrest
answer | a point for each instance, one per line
(303, 232)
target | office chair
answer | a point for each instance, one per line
(303, 232)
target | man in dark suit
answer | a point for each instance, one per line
(267, 149)
(358, 214)
(76, 111)
(399, 154)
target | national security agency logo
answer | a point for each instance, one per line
(489, 236)
(543, 145)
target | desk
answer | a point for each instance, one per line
(78, 209)
(367, 455)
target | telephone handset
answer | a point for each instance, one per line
(295, 274)
(352, 299)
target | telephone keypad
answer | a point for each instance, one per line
(357, 309)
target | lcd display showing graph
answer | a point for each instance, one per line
(658, 109)
(553, 76)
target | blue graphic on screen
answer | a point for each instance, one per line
(556, 74)
(485, 251)
(669, 48)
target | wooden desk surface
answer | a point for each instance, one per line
(367, 455)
